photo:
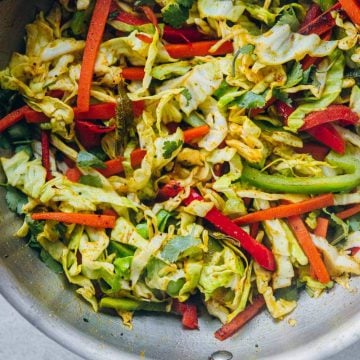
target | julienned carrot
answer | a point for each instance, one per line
(133, 73)
(283, 211)
(93, 220)
(322, 227)
(348, 212)
(304, 239)
(195, 133)
(241, 319)
(352, 9)
(92, 44)
(199, 48)
(12, 118)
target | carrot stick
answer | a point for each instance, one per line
(353, 210)
(113, 167)
(12, 118)
(93, 220)
(322, 227)
(241, 319)
(199, 48)
(283, 211)
(133, 73)
(195, 133)
(352, 9)
(304, 239)
(92, 44)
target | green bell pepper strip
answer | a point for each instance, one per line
(126, 304)
(309, 185)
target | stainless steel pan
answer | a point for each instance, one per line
(324, 326)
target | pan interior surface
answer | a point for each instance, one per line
(323, 326)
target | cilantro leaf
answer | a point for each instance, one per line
(282, 96)
(224, 89)
(288, 16)
(91, 180)
(308, 74)
(86, 159)
(175, 15)
(177, 245)
(250, 100)
(169, 147)
(186, 3)
(246, 49)
(15, 199)
(186, 94)
(52, 264)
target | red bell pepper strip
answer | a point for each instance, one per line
(101, 111)
(138, 107)
(184, 35)
(283, 109)
(352, 9)
(45, 154)
(169, 190)
(92, 44)
(89, 134)
(329, 136)
(355, 250)
(322, 23)
(12, 118)
(317, 151)
(35, 117)
(260, 253)
(312, 13)
(188, 312)
(241, 319)
(130, 19)
(332, 113)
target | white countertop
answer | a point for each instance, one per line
(19, 340)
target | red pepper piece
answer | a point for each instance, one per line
(73, 174)
(102, 111)
(317, 151)
(322, 23)
(144, 38)
(313, 12)
(12, 118)
(35, 117)
(331, 114)
(169, 190)
(241, 319)
(260, 253)
(354, 250)
(131, 19)
(255, 112)
(136, 157)
(45, 154)
(188, 312)
(328, 135)
(90, 134)
(138, 107)
(55, 93)
(283, 109)
(182, 36)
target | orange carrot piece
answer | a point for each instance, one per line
(352, 9)
(133, 73)
(73, 174)
(199, 48)
(93, 220)
(241, 319)
(321, 227)
(353, 210)
(287, 210)
(12, 118)
(195, 133)
(304, 239)
(92, 44)
(113, 167)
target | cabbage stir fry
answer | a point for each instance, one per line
(167, 153)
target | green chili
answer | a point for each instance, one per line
(126, 304)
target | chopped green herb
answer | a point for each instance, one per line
(86, 159)
(169, 147)
(91, 180)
